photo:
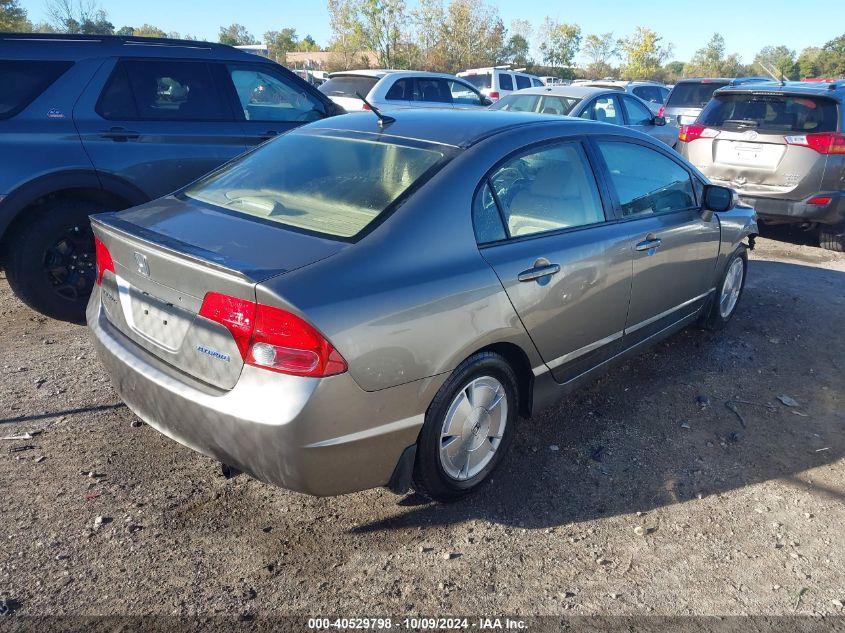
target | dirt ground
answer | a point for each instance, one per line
(645, 493)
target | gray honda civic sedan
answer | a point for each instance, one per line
(365, 302)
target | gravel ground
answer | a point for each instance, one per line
(645, 493)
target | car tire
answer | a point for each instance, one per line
(832, 237)
(468, 428)
(50, 261)
(728, 291)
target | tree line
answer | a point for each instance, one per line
(455, 35)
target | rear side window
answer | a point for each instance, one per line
(23, 81)
(348, 86)
(432, 90)
(162, 91)
(522, 82)
(480, 81)
(778, 113)
(558, 105)
(505, 82)
(544, 190)
(693, 94)
(401, 90)
(646, 181)
(327, 184)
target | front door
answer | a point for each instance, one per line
(674, 248)
(157, 124)
(541, 225)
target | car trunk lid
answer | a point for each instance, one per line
(167, 255)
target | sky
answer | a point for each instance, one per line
(747, 25)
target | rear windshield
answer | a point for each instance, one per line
(693, 94)
(770, 112)
(348, 86)
(321, 183)
(23, 81)
(545, 104)
(481, 81)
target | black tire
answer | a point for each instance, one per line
(832, 237)
(429, 476)
(50, 261)
(713, 319)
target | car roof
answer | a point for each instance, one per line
(578, 91)
(380, 73)
(727, 80)
(73, 47)
(835, 89)
(456, 128)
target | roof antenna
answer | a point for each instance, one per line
(383, 120)
(782, 82)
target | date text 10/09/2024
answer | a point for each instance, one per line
(417, 624)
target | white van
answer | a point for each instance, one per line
(497, 81)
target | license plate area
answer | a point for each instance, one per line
(156, 320)
(762, 155)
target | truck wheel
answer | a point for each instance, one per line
(467, 429)
(50, 262)
(832, 237)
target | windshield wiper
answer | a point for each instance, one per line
(742, 123)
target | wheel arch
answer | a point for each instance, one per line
(518, 360)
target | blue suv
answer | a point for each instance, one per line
(91, 124)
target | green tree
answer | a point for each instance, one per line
(308, 45)
(517, 50)
(236, 35)
(778, 61)
(13, 17)
(809, 62)
(78, 16)
(125, 31)
(707, 61)
(473, 34)
(599, 50)
(345, 45)
(643, 54)
(148, 30)
(379, 24)
(560, 42)
(281, 42)
(832, 58)
(428, 21)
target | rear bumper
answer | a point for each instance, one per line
(776, 210)
(316, 436)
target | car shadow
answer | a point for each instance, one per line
(696, 416)
(61, 413)
(790, 234)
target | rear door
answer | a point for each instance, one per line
(763, 142)
(158, 124)
(267, 101)
(541, 225)
(673, 248)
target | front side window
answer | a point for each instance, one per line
(267, 97)
(546, 190)
(322, 183)
(505, 82)
(162, 91)
(646, 181)
(638, 114)
(463, 94)
(23, 81)
(605, 110)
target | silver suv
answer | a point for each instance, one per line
(782, 147)
(652, 92)
(689, 96)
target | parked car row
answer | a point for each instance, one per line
(781, 146)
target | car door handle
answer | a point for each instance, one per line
(538, 272)
(648, 244)
(119, 134)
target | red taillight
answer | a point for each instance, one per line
(823, 143)
(493, 95)
(273, 338)
(692, 132)
(662, 111)
(365, 106)
(237, 315)
(103, 259)
(821, 200)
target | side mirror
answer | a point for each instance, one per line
(718, 198)
(659, 120)
(485, 101)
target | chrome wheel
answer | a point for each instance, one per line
(731, 287)
(473, 428)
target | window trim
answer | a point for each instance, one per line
(593, 141)
(119, 63)
(25, 104)
(500, 74)
(625, 99)
(604, 193)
